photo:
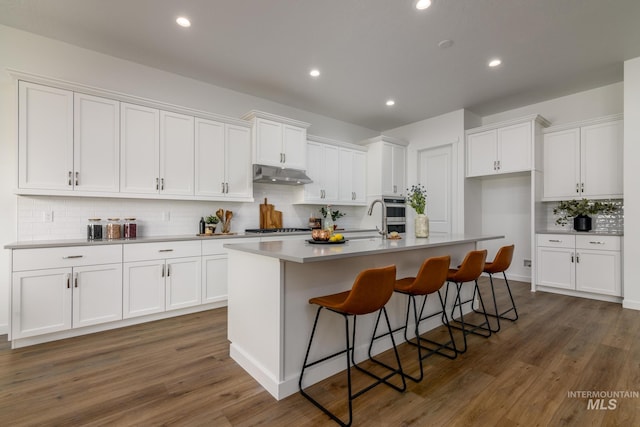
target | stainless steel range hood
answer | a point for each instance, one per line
(275, 175)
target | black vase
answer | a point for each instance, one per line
(582, 223)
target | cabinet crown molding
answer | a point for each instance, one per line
(587, 122)
(334, 142)
(533, 117)
(253, 114)
(386, 138)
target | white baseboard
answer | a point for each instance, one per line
(632, 305)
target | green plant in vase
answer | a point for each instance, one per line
(335, 213)
(417, 199)
(211, 223)
(580, 211)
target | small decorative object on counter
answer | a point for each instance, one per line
(417, 199)
(130, 228)
(225, 219)
(94, 229)
(201, 226)
(113, 228)
(211, 222)
(335, 214)
(328, 221)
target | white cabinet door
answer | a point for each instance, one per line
(601, 159)
(359, 183)
(41, 302)
(214, 278)
(176, 154)
(514, 148)
(139, 149)
(96, 152)
(239, 175)
(393, 169)
(45, 137)
(97, 294)
(482, 153)
(562, 164)
(556, 267)
(143, 288)
(598, 272)
(210, 158)
(346, 175)
(183, 282)
(387, 172)
(294, 146)
(268, 142)
(331, 173)
(399, 169)
(313, 192)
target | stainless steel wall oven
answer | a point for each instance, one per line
(396, 213)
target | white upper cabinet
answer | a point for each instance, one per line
(352, 177)
(139, 149)
(278, 141)
(96, 148)
(45, 152)
(223, 161)
(386, 161)
(176, 154)
(501, 150)
(584, 161)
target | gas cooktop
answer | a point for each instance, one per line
(275, 230)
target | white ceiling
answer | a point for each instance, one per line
(367, 50)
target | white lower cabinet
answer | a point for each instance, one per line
(69, 291)
(161, 276)
(589, 263)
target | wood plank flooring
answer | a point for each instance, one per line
(178, 372)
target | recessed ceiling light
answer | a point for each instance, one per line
(314, 73)
(495, 62)
(390, 103)
(183, 22)
(445, 44)
(423, 4)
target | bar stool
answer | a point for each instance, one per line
(500, 264)
(370, 292)
(469, 271)
(431, 277)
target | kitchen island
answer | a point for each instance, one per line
(270, 284)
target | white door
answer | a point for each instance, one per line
(143, 288)
(514, 148)
(41, 302)
(183, 282)
(97, 294)
(268, 142)
(214, 278)
(239, 175)
(435, 173)
(562, 164)
(176, 154)
(601, 159)
(210, 158)
(598, 272)
(45, 137)
(294, 143)
(96, 151)
(481, 153)
(556, 267)
(139, 149)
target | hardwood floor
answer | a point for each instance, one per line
(178, 371)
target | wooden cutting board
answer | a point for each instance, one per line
(269, 217)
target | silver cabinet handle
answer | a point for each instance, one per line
(72, 256)
(577, 187)
(165, 250)
(596, 243)
(281, 158)
(75, 280)
(494, 165)
(499, 165)
(168, 270)
(222, 184)
(284, 156)
(77, 178)
(582, 187)
(69, 178)
(226, 187)
(162, 183)
(555, 240)
(572, 257)
(577, 258)
(68, 281)
(157, 186)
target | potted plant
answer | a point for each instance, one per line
(417, 199)
(580, 210)
(335, 214)
(211, 223)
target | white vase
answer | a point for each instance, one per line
(422, 225)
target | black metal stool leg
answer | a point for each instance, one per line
(495, 305)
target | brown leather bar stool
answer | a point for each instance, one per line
(430, 279)
(469, 271)
(500, 264)
(370, 292)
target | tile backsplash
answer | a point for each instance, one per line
(57, 218)
(611, 223)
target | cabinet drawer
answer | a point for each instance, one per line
(73, 256)
(556, 240)
(161, 250)
(603, 243)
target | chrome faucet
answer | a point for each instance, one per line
(382, 232)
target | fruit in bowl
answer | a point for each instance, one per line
(320, 234)
(336, 238)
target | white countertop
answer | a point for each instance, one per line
(301, 251)
(581, 233)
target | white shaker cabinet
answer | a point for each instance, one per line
(139, 149)
(278, 141)
(176, 154)
(352, 177)
(223, 160)
(323, 168)
(584, 161)
(56, 289)
(386, 166)
(45, 135)
(584, 263)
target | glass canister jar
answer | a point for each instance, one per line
(94, 229)
(130, 228)
(113, 228)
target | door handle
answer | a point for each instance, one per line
(72, 256)
(68, 281)
(162, 274)
(168, 270)
(596, 243)
(69, 178)
(582, 187)
(165, 250)
(572, 257)
(157, 186)
(577, 187)
(555, 240)
(162, 183)
(75, 280)
(77, 178)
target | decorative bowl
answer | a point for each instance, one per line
(319, 234)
